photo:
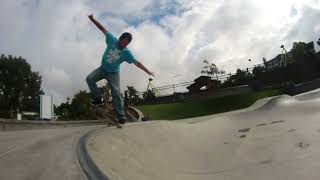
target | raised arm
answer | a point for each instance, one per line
(141, 66)
(103, 29)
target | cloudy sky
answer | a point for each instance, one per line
(170, 37)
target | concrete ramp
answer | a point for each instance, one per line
(277, 139)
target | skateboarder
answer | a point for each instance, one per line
(115, 53)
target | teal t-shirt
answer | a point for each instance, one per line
(113, 56)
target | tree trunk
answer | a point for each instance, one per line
(11, 112)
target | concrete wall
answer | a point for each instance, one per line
(222, 92)
(14, 125)
(304, 87)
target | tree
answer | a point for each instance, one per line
(240, 78)
(31, 93)
(76, 108)
(149, 96)
(305, 60)
(258, 71)
(80, 105)
(132, 94)
(79, 108)
(211, 69)
(301, 50)
(63, 111)
(20, 87)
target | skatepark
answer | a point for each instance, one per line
(275, 138)
(160, 90)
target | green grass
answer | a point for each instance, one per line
(202, 107)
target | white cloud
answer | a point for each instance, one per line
(170, 37)
(56, 82)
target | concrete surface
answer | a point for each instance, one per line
(277, 138)
(48, 154)
(88, 166)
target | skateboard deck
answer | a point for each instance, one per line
(111, 119)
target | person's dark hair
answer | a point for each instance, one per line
(126, 35)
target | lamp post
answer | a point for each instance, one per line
(284, 57)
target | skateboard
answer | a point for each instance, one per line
(106, 107)
(109, 117)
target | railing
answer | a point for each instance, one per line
(181, 87)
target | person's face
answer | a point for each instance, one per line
(123, 43)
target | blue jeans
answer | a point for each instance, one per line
(113, 79)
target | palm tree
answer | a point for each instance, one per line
(132, 93)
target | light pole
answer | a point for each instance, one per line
(284, 57)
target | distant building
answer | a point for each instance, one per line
(285, 58)
(30, 113)
(281, 60)
(274, 63)
(46, 107)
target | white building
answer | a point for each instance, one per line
(46, 107)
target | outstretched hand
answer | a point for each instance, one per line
(91, 17)
(151, 74)
(103, 29)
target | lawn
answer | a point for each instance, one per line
(202, 107)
